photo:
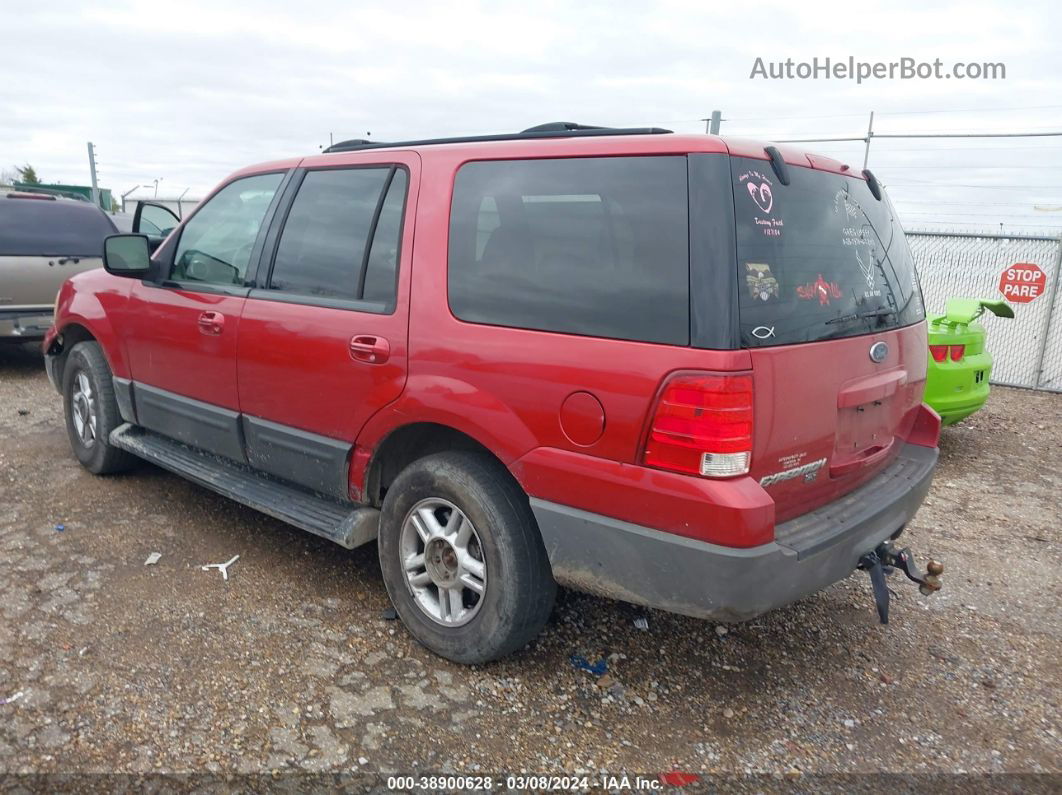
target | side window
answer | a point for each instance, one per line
(381, 269)
(340, 239)
(154, 220)
(592, 246)
(216, 243)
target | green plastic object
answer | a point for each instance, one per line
(959, 365)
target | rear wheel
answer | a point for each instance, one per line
(91, 410)
(462, 558)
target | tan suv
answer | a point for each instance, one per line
(44, 239)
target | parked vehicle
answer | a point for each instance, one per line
(44, 238)
(960, 365)
(677, 370)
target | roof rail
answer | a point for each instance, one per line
(556, 129)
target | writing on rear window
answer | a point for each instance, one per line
(819, 258)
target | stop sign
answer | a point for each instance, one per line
(1022, 282)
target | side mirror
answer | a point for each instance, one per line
(127, 255)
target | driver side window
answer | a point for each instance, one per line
(216, 243)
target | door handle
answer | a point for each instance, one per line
(211, 323)
(369, 348)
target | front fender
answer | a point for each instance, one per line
(91, 300)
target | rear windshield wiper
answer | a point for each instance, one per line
(861, 316)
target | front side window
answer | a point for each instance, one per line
(341, 236)
(216, 243)
(590, 246)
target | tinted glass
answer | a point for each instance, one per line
(381, 270)
(324, 238)
(819, 258)
(46, 227)
(594, 246)
(216, 243)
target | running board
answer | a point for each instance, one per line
(348, 525)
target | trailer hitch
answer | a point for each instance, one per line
(883, 560)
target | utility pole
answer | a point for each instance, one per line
(870, 134)
(92, 171)
(711, 124)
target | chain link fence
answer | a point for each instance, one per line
(1026, 351)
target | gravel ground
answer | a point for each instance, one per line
(110, 665)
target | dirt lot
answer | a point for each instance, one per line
(107, 664)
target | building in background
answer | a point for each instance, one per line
(180, 205)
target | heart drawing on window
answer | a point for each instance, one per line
(761, 194)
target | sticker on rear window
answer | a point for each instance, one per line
(861, 239)
(821, 289)
(761, 282)
(760, 190)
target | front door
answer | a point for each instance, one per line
(183, 328)
(322, 341)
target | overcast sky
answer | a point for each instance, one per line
(187, 92)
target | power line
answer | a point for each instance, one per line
(963, 204)
(927, 166)
(892, 185)
(897, 113)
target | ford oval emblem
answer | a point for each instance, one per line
(878, 352)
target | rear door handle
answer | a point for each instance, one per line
(211, 323)
(369, 348)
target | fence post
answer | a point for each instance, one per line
(1050, 317)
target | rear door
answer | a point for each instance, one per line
(323, 335)
(180, 332)
(830, 309)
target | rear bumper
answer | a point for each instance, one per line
(609, 557)
(24, 325)
(953, 388)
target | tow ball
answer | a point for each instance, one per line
(886, 558)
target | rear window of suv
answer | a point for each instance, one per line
(819, 258)
(590, 246)
(47, 228)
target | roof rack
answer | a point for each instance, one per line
(556, 129)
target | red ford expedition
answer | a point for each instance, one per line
(677, 370)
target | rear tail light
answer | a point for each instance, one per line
(957, 352)
(702, 425)
(938, 352)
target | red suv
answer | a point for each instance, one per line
(678, 370)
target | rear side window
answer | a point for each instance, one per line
(590, 246)
(819, 258)
(47, 228)
(341, 236)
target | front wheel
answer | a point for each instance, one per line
(462, 558)
(91, 410)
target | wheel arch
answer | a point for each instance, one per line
(411, 442)
(70, 335)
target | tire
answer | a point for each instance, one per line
(91, 411)
(517, 583)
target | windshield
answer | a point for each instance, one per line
(819, 258)
(45, 228)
